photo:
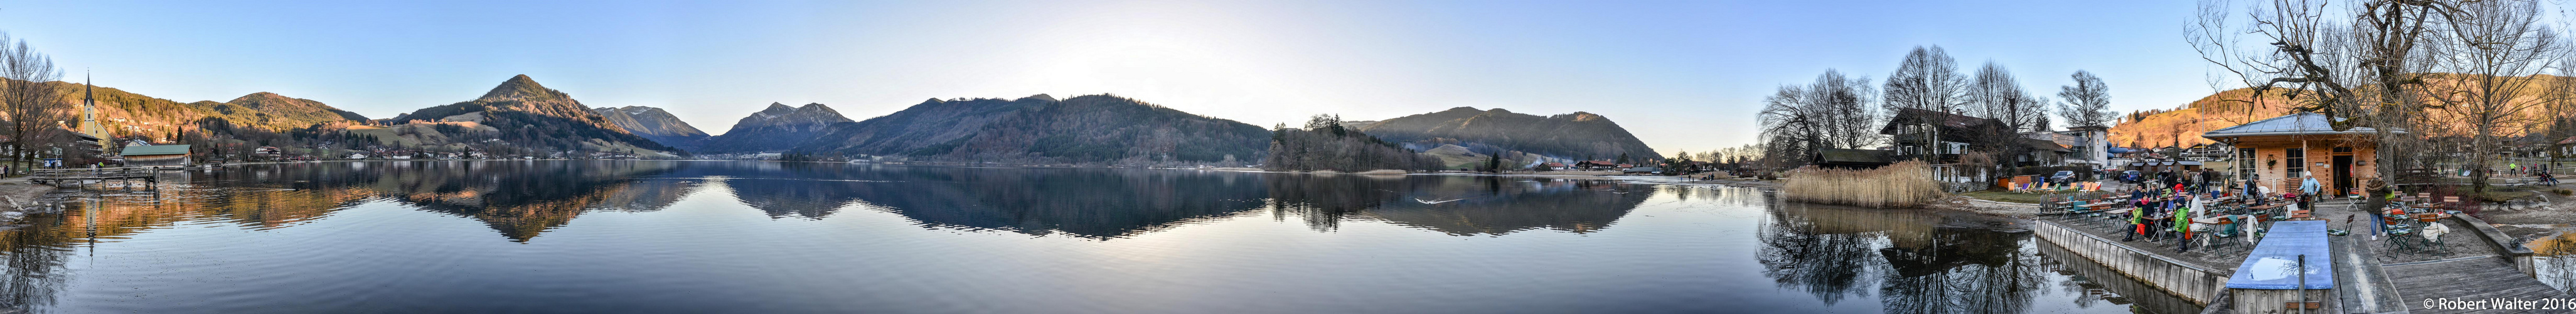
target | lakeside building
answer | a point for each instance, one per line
(1840, 158)
(1942, 139)
(2091, 145)
(2044, 152)
(156, 155)
(2278, 151)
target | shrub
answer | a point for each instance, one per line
(1905, 184)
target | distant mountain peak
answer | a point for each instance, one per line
(260, 97)
(776, 128)
(1464, 109)
(1038, 97)
(815, 108)
(521, 88)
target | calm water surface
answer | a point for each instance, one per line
(642, 236)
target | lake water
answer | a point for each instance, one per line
(647, 236)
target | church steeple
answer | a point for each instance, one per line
(89, 112)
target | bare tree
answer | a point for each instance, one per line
(1844, 103)
(1790, 128)
(2353, 64)
(1832, 112)
(2489, 64)
(26, 97)
(2561, 93)
(1928, 79)
(1995, 94)
(2088, 102)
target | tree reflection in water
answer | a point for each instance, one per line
(35, 253)
(1919, 265)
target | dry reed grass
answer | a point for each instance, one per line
(1902, 185)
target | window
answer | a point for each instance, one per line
(2245, 163)
(2343, 150)
(2298, 163)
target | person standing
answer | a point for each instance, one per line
(2182, 226)
(2155, 210)
(2210, 183)
(2308, 189)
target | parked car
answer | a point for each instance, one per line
(2130, 176)
(2062, 177)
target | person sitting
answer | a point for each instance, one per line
(2137, 218)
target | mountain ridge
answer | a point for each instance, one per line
(1040, 129)
(528, 114)
(654, 124)
(775, 128)
(1576, 135)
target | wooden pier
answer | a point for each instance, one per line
(2469, 278)
(60, 177)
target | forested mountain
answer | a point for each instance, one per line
(1090, 129)
(273, 111)
(534, 117)
(654, 124)
(129, 114)
(2183, 125)
(1325, 145)
(1576, 135)
(775, 129)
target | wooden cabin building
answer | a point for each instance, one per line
(156, 155)
(2279, 151)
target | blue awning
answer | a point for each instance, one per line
(2274, 264)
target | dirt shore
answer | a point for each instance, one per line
(17, 197)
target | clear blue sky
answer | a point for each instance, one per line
(1684, 75)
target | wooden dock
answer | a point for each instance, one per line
(149, 175)
(2470, 278)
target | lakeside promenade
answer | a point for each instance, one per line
(2476, 270)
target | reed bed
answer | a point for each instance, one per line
(1901, 185)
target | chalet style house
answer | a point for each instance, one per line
(2277, 152)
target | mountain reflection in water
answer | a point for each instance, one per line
(665, 236)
